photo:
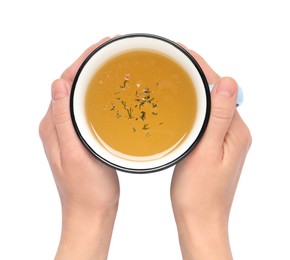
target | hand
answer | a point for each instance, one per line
(88, 190)
(204, 183)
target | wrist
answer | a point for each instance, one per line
(86, 235)
(205, 239)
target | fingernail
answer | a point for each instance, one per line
(226, 87)
(59, 90)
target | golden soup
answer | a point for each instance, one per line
(140, 103)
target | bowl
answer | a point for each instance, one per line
(140, 103)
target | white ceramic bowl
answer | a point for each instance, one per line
(115, 46)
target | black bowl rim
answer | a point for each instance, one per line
(157, 168)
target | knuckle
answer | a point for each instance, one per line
(62, 117)
(42, 128)
(247, 136)
(222, 113)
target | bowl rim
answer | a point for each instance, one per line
(162, 166)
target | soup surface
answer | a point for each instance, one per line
(140, 103)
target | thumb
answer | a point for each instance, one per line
(223, 99)
(60, 102)
(61, 112)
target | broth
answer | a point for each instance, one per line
(140, 103)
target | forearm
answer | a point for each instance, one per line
(86, 237)
(202, 240)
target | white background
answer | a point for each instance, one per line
(248, 40)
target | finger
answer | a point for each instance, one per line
(223, 99)
(236, 145)
(211, 76)
(68, 140)
(70, 72)
(238, 139)
(48, 136)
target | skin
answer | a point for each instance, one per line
(202, 189)
(204, 184)
(88, 190)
